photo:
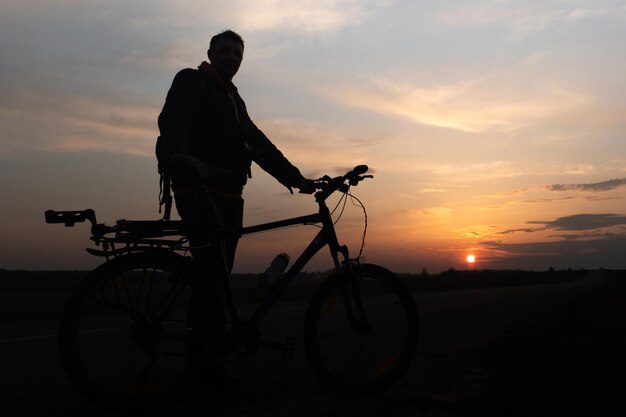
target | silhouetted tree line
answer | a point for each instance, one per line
(463, 279)
(307, 282)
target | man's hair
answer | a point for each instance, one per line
(227, 34)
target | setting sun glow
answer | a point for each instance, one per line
(515, 162)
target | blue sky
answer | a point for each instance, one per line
(493, 127)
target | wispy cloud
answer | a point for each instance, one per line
(525, 230)
(546, 200)
(602, 251)
(433, 190)
(439, 212)
(307, 143)
(597, 198)
(522, 19)
(477, 231)
(598, 186)
(585, 13)
(579, 222)
(471, 106)
(462, 173)
(580, 169)
(594, 224)
(306, 16)
(70, 123)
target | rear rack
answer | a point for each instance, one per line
(111, 246)
(132, 235)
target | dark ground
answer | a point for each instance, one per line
(571, 362)
(544, 350)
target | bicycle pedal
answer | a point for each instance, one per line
(288, 347)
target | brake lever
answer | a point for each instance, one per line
(355, 180)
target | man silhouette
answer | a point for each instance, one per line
(208, 144)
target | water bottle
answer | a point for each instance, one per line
(270, 277)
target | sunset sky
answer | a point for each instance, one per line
(493, 128)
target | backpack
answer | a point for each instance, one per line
(165, 190)
(163, 155)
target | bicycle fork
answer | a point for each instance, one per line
(353, 300)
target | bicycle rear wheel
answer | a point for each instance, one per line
(361, 330)
(137, 331)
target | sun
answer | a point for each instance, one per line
(471, 259)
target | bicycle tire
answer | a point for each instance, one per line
(357, 356)
(131, 338)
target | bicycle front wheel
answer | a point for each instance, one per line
(137, 330)
(361, 330)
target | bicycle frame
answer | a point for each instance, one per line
(326, 236)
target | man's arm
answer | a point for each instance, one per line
(268, 157)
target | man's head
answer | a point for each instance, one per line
(225, 53)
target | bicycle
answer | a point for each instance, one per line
(140, 329)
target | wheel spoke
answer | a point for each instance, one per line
(132, 330)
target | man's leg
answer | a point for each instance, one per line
(200, 224)
(203, 215)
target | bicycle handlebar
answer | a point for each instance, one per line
(328, 185)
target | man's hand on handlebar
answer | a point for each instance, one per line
(306, 186)
(328, 185)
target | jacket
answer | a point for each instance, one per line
(205, 117)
